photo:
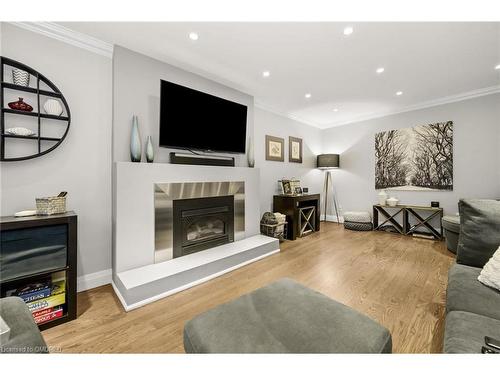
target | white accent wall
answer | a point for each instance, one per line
(134, 210)
(476, 164)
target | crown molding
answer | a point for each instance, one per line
(427, 104)
(63, 34)
(415, 107)
(265, 107)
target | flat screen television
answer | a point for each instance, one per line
(194, 120)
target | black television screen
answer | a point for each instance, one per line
(194, 120)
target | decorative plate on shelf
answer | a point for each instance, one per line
(20, 131)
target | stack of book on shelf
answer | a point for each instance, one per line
(45, 299)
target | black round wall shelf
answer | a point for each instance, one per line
(6, 65)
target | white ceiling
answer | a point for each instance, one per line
(427, 61)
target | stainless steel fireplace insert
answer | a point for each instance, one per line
(207, 231)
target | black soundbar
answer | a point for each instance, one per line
(220, 161)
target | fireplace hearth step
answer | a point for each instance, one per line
(143, 285)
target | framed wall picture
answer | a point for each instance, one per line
(294, 150)
(418, 158)
(275, 148)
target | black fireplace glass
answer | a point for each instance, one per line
(202, 223)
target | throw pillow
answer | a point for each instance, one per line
(490, 275)
(479, 231)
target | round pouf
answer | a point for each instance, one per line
(358, 220)
(451, 227)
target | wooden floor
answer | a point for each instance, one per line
(398, 281)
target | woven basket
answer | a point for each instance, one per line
(50, 205)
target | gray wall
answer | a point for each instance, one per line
(81, 165)
(136, 91)
(267, 123)
(476, 154)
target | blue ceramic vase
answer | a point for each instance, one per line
(135, 142)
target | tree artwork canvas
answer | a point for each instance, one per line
(419, 158)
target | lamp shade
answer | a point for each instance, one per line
(327, 161)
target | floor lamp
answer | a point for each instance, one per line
(327, 162)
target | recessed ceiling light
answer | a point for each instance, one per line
(335, 110)
(380, 70)
(307, 95)
(193, 36)
(348, 30)
(266, 73)
(497, 67)
(399, 93)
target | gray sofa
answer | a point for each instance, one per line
(473, 309)
(25, 337)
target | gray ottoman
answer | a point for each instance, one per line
(285, 317)
(358, 220)
(451, 226)
(25, 337)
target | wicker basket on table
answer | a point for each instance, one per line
(50, 205)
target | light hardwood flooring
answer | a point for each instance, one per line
(398, 281)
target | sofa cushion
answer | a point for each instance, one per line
(285, 317)
(466, 293)
(25, 337)
(465, 331)
(479, 231)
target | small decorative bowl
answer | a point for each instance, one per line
(392, 202)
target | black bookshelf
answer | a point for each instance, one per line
(5, 112)
(69, 220)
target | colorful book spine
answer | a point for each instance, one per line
(33, 296)
(58, 287)
(42, 312)
(57, 313)
(47, 302)
(33, 287)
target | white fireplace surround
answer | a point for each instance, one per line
(137, 279)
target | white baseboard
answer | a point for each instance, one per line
(333, 218)
(93, 280)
